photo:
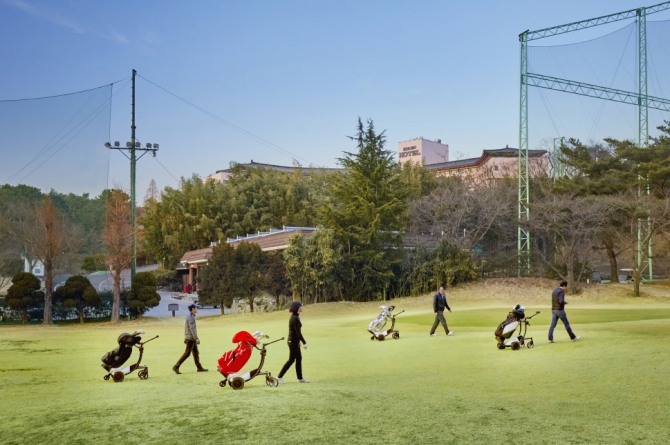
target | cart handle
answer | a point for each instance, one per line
(395, 315)
(279, 339)
(528, 318)
(145, 342)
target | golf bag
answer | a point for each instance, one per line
(376, 326)
(114, 359)
(505, 332)
(231, 362)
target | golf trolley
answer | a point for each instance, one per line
(376, 326)
(113, 360)
(515, 323)
(232, 361)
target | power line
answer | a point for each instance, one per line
(228, 123)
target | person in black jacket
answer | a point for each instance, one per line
(294, 339)
(439, 305)
(558, 312)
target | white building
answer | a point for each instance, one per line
(421, 151)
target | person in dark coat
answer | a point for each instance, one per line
(558, 312)
(439, 305)
(191, 340)
(294, 339)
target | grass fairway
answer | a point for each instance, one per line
(612, 387)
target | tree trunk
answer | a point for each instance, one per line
(48, 292)
(611, 256)
(637, 274)
(116, 297)
(570, 265)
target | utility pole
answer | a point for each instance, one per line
(133, 161)
(133, 146)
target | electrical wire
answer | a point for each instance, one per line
(228, 123)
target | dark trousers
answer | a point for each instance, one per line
(439, 318)
(191, 348)
(294, 356)
(560, 315)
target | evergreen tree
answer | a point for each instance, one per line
(143, 295)
(24, 294)
(78, 293)
(216, 284)
(365, 211)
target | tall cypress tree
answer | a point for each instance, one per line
(365, 211)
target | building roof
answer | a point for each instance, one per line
(280, 168)
(506, 152)
(275, 239)
(197, 256)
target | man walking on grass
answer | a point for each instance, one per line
(191, 340)
(558, 312)
(439, 305)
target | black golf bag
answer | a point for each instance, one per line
(118, 356)
(115, 359)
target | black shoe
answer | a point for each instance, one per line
(203, 370)
(175, 368)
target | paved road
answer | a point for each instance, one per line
(162, 311)
(103, 281)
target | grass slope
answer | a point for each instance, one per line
(610, 388)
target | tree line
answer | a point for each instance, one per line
(385, 229)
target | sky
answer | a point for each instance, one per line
(285, 82)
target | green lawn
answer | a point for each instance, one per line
(612, 387)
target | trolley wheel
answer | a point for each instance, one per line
(272, 382)
(396, 335)
(222, 383)
(373, 337)
(118, 376)
(237, 383)
(381, 338)
(143, 374)
(501, 346)
(516, 346)
(530, 345)
(106, 377)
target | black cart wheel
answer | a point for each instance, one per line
(222, 383)
(237, 383)
(516, 346)
(271, 382)
(106, 377)
(501, 346)
(530, 345)
(118, 376)
(396, 335)
(143, 374)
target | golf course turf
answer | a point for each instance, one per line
(611, 387)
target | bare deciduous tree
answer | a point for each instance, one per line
(47, 236)
(462, 212)
(648, 216)
(117, 240)
(566, 229)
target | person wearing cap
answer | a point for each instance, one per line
(439, 305)
(294, 339)
(191, 340)
(558, 312)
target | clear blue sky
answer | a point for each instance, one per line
(294, 75)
